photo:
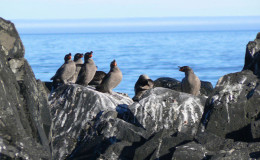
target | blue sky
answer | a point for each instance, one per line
(94, 15)
(82, 9)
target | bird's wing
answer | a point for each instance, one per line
(58, 72)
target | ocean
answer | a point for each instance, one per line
(211, 54)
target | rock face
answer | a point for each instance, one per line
(72, 108)
(252, 56)
(24, 116)
(233, 106)
(171, 83)
(10, 42)
(162, 108)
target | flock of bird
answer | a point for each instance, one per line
(75, 71)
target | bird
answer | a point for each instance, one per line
(87, 70)
(65, 72)
(111, 80)
(78, 62)
(142, 85)
(190, 83)
(98, 78)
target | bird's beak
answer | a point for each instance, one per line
(181, 69)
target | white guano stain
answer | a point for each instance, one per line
(230, 92)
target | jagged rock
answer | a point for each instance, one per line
(108, 137)
(233, 106)
(255, 129)
(162, 145)
(18, 138)
(252, 56)
(162, 108)
(10, 42)
(212, 142)
(23, 106)
(190, 151)
(171, 83)
(73, 107)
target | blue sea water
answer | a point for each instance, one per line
(211, 54)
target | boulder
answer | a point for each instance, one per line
(255, 129)
(171, 83)
(10, 42)
(24, 116)
(73, 107)
(252, 56)
(108, 137)
(162, 108)
(233, 106)
(162, 145)
(190, 151)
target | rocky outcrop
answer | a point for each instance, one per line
(252, 56)
(171, 83)
(24, 116)
(10, 42)
(79, 122)
(162, 108)
(233, 106)
(73, 107)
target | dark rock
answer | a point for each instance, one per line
(24, 116)
(167, 82)
(10, 43)
(171, 83)
(162, 108)
(108, 138)
(233, 106)
(255, 129)
(252, 56)
(73, 107)
(190, 151)
(47, 86)
(162, 145)
(213, 142)
(18, 137)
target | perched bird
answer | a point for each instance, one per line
(112, 79)
(78, 62)
(190, 83)
(65, 72)
(98, 78)
(143, 84)
(87, 70)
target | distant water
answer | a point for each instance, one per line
(211, 54)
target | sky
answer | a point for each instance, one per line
(35, 16)
(84, 9)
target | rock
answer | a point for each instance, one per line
(235, 97)
(171, 83)
(255, 129)
(162, 108)
(162, 145)
(24, 115)
(212, 142)
(190, 151)
(10, 42)
(108, 137)
(73, 107)
(167, 82)
(252, 56)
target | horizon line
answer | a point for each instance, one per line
(121, 18)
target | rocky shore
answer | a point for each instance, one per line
(76, 122)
